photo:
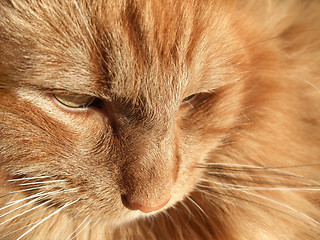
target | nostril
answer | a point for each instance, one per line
(146, 208)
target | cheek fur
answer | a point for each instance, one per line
(94, 163)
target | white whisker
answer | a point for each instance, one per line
(24, 199)
(71, 235)
(31, 209)
(29, 216)
(86, 225)
(272, 169)
(165, 212)
(35, 183)
(312, 85)
(215, 196)
(27, 178)
(186, 207)
(269, 200)
(26, 204)
(35, 196)
(281, 204)
(259, 176)
(19, 191)
(258, 167)
(95, 223)
(226, 185)
(46, 218)
(197, 205)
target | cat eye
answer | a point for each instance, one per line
(189, 100)
(74, 100)
(196, 100)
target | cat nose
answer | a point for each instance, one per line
(136, 205)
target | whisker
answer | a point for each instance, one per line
(9, 204)
(312, 85)
(177, 210)
(187, 208)
(34, 196)
(210, 192)
(24, 190)
(281, 204)
(198, 207)
(29, 216)
(26, 204)
(260, 167)
(46, 218)
(31, 209)
(242, 167)
(23, 219)
(215, 196)
(35, 183)
(73, 235)
(269, 200)
(28, 178)
(165, 212)
(261, 188)
(95, 223)
(230, 176)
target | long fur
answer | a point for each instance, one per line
(240, 159)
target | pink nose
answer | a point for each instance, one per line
(147, 209)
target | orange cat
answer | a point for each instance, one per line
(169, 119)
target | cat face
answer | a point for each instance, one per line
(115, 109)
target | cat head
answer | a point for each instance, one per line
(113, 106)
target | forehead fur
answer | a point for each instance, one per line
(118, 49)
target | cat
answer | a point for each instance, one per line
(171, 119)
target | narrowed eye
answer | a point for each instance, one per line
(195, 100)
(74, 100)
(188, 101)
(189, 98)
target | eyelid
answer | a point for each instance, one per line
(189, 100)
(74, 100)
(195, 100)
